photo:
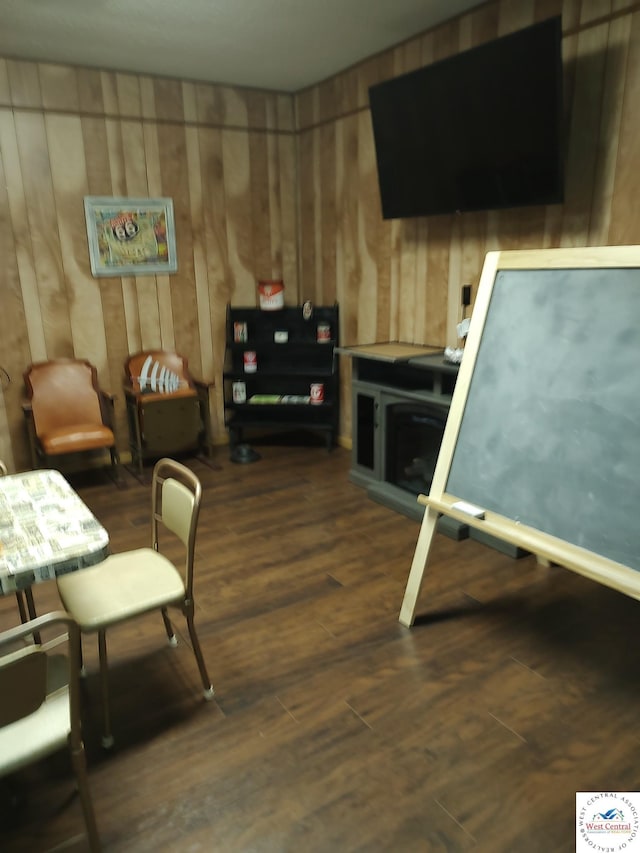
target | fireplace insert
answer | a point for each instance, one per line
(413, 437)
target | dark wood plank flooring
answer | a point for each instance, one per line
(334, 728)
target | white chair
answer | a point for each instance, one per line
(39, 705)
(133, 583)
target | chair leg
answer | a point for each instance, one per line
(28, 612)
(207, 686)
(171, 634)
(116, 466)
(81, 667)
(107, 737)
(79, 762)
(31, 605)
(21, 608)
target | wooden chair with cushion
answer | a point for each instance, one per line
(40, 706)
(167, 409)
(133, 583)
(67, 412)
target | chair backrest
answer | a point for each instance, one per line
(63, 392)
(23, 683)
(176, 494)
(40, 704)
(28, 676)
(157, 371)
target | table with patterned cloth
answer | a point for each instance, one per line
(45, 530)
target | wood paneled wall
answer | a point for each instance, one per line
(402, 279)
(227, 158)
(271, 185)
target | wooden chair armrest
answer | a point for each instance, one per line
(27, 411)
(202, 385)
(202, 389)
(107, 407)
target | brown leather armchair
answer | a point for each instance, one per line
(167, 409)
(66, 412)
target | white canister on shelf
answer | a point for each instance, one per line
(239, 392)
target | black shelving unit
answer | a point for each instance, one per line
(292, 354)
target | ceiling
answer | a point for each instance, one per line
(284, 45)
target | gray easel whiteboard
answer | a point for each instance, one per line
(544, 428)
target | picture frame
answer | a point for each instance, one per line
(130, 236)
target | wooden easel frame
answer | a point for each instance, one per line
(550, 548)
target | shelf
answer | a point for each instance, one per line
(427, 376)
(268, 345)
(250, 408)
(284, 369)
(418, 394)
(275, 373)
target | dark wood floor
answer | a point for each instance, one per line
(334, 728)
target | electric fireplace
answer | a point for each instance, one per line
(413, 435)
(400, 407)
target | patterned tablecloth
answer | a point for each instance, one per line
(45, 530)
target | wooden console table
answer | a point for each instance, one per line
(384, 375)
(390, 351)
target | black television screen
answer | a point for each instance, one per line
(478, 131)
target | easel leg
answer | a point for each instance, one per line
(419, 564)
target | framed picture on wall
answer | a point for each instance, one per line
(130, 236)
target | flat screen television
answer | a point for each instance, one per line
(480, 130)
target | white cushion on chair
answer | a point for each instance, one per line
(122, 586)
(38, 734)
